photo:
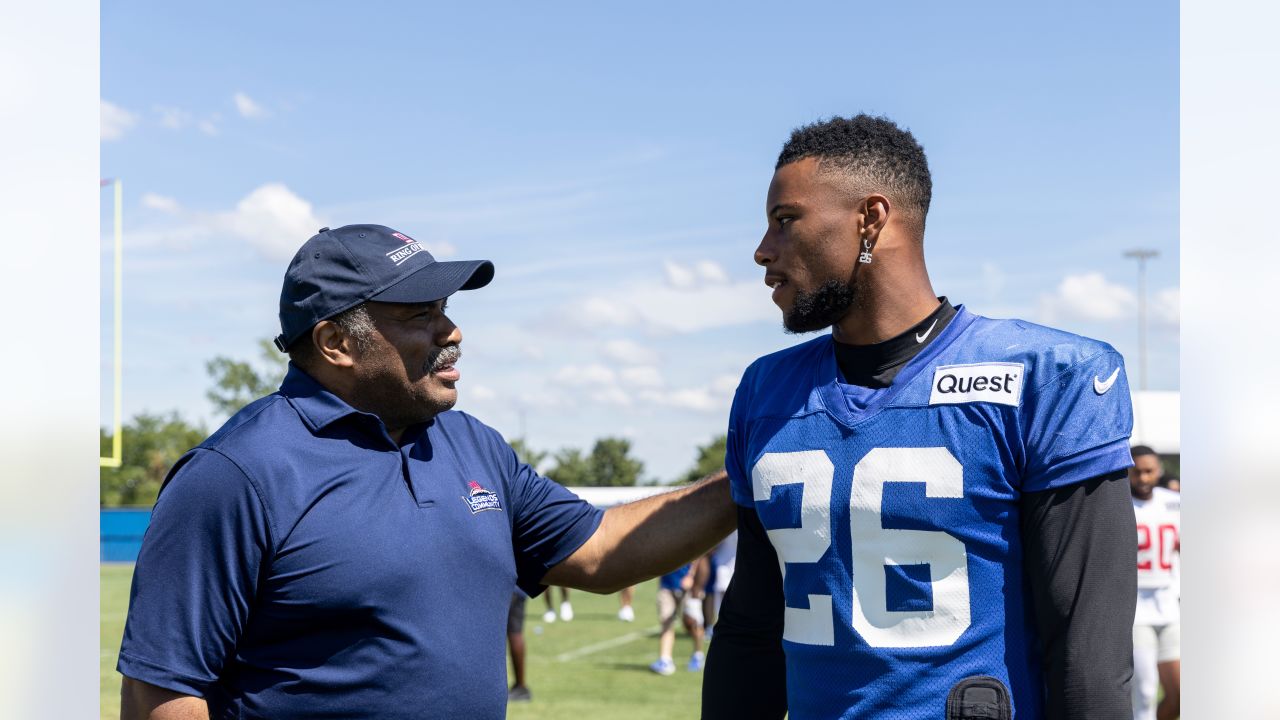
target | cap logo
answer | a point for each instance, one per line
(399, 255)
(403, 237)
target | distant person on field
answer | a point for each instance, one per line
(566, 608)
(680, 594)
(519, 691)
(348, 545)
(626, 613)
(1157, 627)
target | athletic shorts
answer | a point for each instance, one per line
(515, 614)
(668, 604)
(1164, 641)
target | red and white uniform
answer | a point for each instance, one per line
(1159, 529)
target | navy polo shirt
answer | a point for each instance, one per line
(300, 564)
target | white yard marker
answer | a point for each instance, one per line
(606, 644)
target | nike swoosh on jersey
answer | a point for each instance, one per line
(1102, 386)
(921, 338)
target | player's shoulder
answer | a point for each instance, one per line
(244, 432)
(797, 360)
(785, 378)
(1047, 350)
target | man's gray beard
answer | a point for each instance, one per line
(821, 308)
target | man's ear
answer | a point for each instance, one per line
(874, 211)
(332, 344)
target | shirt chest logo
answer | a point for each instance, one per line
(995, 382)
(480, 499)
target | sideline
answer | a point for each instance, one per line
(606, 644)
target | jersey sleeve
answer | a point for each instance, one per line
(735, 460)
(196, 575)
(548, 523)
(1076, 425)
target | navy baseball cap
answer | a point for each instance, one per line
(337, 270)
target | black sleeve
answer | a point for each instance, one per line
(746, 672)
(1079, 546)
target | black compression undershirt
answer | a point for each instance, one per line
(1079, 544)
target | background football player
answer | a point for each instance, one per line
(1156, 624)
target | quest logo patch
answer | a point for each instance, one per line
(480, 499)
(995, 382)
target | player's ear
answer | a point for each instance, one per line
(332, 344)
(874, 212)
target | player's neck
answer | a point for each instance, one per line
(883, 314)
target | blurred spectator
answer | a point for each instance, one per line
(680, 593)
(626, 613)
(519, 691)
(566, 610)
(1156, 625)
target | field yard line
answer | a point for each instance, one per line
(606, 644)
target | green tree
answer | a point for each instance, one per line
(526, 454)
(237, 383)
(152, 444)
(571, 468)
(609, 465)
(710, 459)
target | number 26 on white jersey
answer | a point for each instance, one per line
(874, 547)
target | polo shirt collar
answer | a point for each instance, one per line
(317, 407)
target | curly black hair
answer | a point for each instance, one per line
(870, 149)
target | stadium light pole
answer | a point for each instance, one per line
(1142, 255)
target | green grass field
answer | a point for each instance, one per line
(593, 667)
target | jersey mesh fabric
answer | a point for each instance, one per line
(901, 516)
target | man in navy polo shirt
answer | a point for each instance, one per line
(347, 546)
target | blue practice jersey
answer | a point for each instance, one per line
(894, 511)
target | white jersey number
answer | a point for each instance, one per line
(874, 547)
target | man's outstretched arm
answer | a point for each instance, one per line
(144, 701)
(649, 537)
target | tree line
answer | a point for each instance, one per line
(153, 443)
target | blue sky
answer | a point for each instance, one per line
(613, 162)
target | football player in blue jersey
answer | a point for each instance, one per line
(933, 521)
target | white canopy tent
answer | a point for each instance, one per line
(1157, 417)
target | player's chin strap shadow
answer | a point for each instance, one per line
(980, 697)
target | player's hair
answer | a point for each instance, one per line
(872, 151)
(1139, 450)
(355, 323)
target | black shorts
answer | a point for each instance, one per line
(515, 614)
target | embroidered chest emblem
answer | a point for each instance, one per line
(480, 499)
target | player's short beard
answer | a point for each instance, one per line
(821, 308)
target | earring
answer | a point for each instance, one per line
(865, 256)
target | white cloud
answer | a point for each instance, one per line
(585, 375)
(481, 392)
(274, 219)
(612, 396)
(642, 376)
(172, 117)
(440, 249)
(1087, 296)
(209, 126)
(1166, 306)
(114, 120)
(626, 352)
(160, 202)
(692, 299)
(714, 397)
(248, 107)
(688, 277)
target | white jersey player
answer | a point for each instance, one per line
(1156, 626)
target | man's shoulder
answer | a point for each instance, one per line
(1015, 338)
(1166, 499)
(1045, 352)
(461, 426)
(797, 359)
(254, 427)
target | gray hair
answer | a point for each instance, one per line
(355, 323)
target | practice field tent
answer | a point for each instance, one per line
(1157, 421)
